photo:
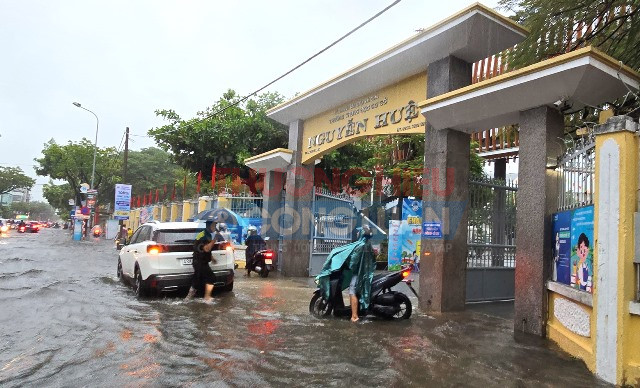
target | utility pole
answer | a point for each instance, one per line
(126, 155)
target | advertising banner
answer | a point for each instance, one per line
(146, 214)
(573, 248)
(562, 247)
(122, 203)
(404, 236)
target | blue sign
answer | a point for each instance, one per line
(432, 230)
(77, 229)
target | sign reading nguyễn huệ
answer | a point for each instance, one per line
(389, 111)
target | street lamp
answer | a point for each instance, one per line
(95, 145)
(95, 149)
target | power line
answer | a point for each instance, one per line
(293, 69)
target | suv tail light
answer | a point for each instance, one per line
(155, 249)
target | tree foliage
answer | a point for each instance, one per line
(12, 178)
(73, 164)
(559, 26)
(38, 211)
(224, 133)
(152, 168)
(58, 196)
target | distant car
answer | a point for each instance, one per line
(159, 255)
(32, 227)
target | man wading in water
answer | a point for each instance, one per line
(202, 273)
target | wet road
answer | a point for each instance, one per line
(66, 321)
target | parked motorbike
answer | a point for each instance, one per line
(262, 262)
(384, 302)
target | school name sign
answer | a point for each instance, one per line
(389, 111)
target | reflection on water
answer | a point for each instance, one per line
(67, 320)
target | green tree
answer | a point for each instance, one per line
(73, 163)
(559, 26)
(152, 168)
(12, 178)
(38, 211)
(58, 196)
(224, 133)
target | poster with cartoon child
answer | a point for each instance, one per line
(582, 249)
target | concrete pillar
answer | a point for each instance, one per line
(186, 210)
(296, 250)
(174, 212)
(615, 302)
(540, 129)
(443, 260)
(271, 205)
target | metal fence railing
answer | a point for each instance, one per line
(491, 231)
(576, 173)
(247, 205)
(333, 220)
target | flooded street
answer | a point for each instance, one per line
(67, 321)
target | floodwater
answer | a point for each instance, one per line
(65, 320)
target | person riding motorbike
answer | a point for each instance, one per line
(357, 262)
(224, 231)
(254, 243)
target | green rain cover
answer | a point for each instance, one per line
(361, 261)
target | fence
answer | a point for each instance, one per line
(247, 205)
(491, 236)
(333, 220)
(576, 173)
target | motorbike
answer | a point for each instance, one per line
(262, 262)
(22, 229)
(97, 231)
(384, 302)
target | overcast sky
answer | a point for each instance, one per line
(125, 59)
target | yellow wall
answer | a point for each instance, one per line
(203, 203)
(574, 344)
(174, 211)
(186, 210)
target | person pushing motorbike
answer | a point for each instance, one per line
(202, 273)
(254, 243)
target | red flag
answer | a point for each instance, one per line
(199, 180)
(213, 176)
(184, 188)
(150, 196)
(173, 195)
(157, 194)
(138, 201)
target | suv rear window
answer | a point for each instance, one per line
(175, 236)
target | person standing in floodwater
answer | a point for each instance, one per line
(202, 273)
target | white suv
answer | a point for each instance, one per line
(158, 258)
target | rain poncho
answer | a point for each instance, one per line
(355, 258)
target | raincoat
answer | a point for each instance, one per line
(356, 258)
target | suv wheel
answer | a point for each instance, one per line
(139, 285)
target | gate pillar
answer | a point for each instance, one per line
(271, 204)
(298, 211)
(540, 131)
(445, 192)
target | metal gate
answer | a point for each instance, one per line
(491, 240)
(333, 224)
